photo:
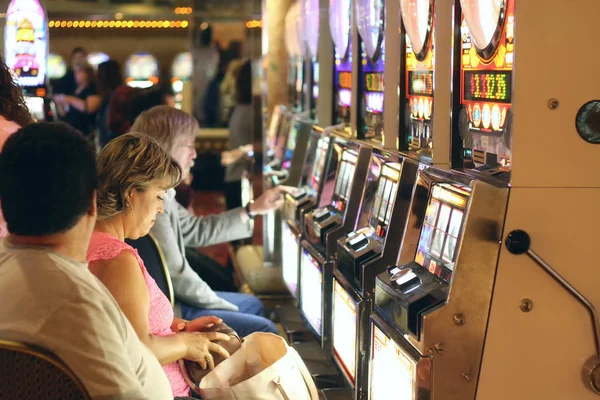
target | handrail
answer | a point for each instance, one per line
(519, 242)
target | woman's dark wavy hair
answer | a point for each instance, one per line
(12, 103)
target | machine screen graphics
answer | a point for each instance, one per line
(344, 329)
(291, 146)
(441, 230)
(36, 107)
(420, 83)
(26, 42)
(141, 70)
(392, 373)
(289, 254)
(273, 127)
(385, 195)
(487, 48)
(344, 179)
(318, 165)
(311, 296)
(488, 86)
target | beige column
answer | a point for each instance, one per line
(275, 56)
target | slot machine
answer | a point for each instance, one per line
(181, 74)
(296, 47)
(416, 89)
(506, 305)
(361, 256)
(57, 67)
(545, 300)
(370, 16)
(317, 156)
(340, 24)
(485, 119)
(288, 168)
(26, 54)
(340, 201)
(96, 58)
(285, 171)
(311, 29)
(419, 321)
(141, 70)
(317, 148)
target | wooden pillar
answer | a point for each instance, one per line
(275, 55)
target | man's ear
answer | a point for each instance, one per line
(93, 210)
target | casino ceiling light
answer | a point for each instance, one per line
(254, 24)
(118, 24)
(183, 10)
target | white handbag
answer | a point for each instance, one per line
(264, 368)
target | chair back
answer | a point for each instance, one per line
(30, 372)
(154, 260)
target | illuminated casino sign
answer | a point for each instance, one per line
(26, 42)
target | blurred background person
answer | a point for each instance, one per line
(240, 134)
(109, 78)
(79, 109)
(67, 84)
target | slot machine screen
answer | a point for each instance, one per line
(385, 196)
(141, 70)
(392, 372)
(289, 254)
(282, 137)
(344, 178)
(182, 66)
(26, 42)
(57, 68)
(344, 329)
(441, 229)
(96, 58)
(318, 164)
(273, 129)
(311, 296)
(290, 147)
(36, 108)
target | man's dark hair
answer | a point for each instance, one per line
(47, 179)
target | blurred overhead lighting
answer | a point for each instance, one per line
(254, 24)
(183, 10)
(119, 24)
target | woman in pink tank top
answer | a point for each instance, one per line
(134, 173)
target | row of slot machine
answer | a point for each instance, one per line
(415, 280)
(26, 54)
(142, 70)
